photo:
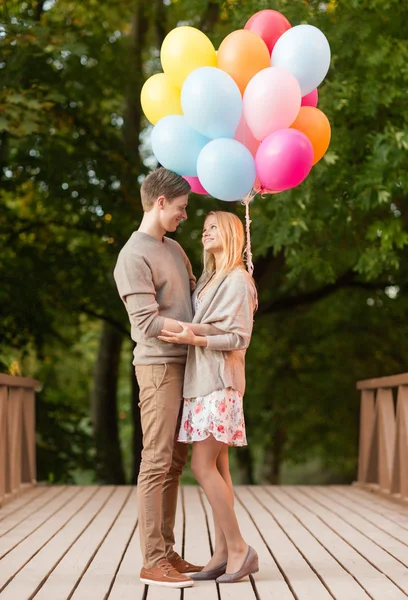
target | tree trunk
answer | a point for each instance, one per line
(137, 440)
(273, 458)
(245, 466)
(109, 464)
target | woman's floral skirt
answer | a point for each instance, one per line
(219, 413)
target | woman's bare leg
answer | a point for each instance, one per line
(219, 493)
(220, 554)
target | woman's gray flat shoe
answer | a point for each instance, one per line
(249, 566)
(209, 575)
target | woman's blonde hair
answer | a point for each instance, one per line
(232, 236)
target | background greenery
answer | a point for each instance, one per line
(330, 255)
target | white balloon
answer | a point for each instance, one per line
(271, 101)
(305, 52)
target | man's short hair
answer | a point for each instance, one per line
(162, 182)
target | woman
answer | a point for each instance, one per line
(214, 385)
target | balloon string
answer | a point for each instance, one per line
(248, 249)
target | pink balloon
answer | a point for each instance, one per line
(271, 101)
(244, 135)
(196, 186)
(284, 159)
(269, 25)
(311, 99)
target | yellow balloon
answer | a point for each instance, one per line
(185, 49)
(159, 98)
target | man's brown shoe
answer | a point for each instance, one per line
(165, 574)
(183, 566)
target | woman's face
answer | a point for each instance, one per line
(211, 237)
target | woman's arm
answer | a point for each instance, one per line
(221, 342)
(185, 336)
(200, 329)
(234, 312)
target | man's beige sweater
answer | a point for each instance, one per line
(154, 280)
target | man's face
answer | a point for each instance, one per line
(172, 212)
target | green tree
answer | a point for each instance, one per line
(72, 152)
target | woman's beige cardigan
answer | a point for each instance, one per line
(229, 304)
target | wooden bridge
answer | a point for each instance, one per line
(314, 543)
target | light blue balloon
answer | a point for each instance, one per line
(305, 52)
(226, 169)
(212, 102)
(176, 145)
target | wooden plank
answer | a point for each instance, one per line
(28, 581)
(335, 578)
(375, 583)
(19, 556)
(304, 583)
(127, 584)
(329, 499)
(384, 517)
(381, 573)
(24, 529)
(68, 573)
(370, 495)
(197, 543)
(383, 382)
(29, 510)
(269, 582)
(99, 577)
(23, 500)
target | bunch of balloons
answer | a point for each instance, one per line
(243, 118)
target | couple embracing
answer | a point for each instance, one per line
(190, 366)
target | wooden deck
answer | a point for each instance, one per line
(314, 543)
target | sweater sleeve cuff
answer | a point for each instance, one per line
(217, 342)
(156, 327)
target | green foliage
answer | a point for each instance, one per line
(72, 151)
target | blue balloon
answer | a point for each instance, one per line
(226, 169)
(305, 52)
(176, 145)
(212, 102)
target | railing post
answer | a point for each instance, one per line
(386, 437)
(3, 441)
(383, 445)
(17, 435)
(399, 484)
(367, 416)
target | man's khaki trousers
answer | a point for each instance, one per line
(163, 458)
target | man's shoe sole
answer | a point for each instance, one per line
(183, 584)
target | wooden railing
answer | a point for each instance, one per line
(383, 450)
(17, 435)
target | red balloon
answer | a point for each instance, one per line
(196, 186)
(269, 25)
(311, 99)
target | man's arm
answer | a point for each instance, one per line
(134, 281)
(196, 328)
(135, 285)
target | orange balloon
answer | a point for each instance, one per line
(243, 54)
(316, 126)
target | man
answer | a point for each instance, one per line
(154, 279)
